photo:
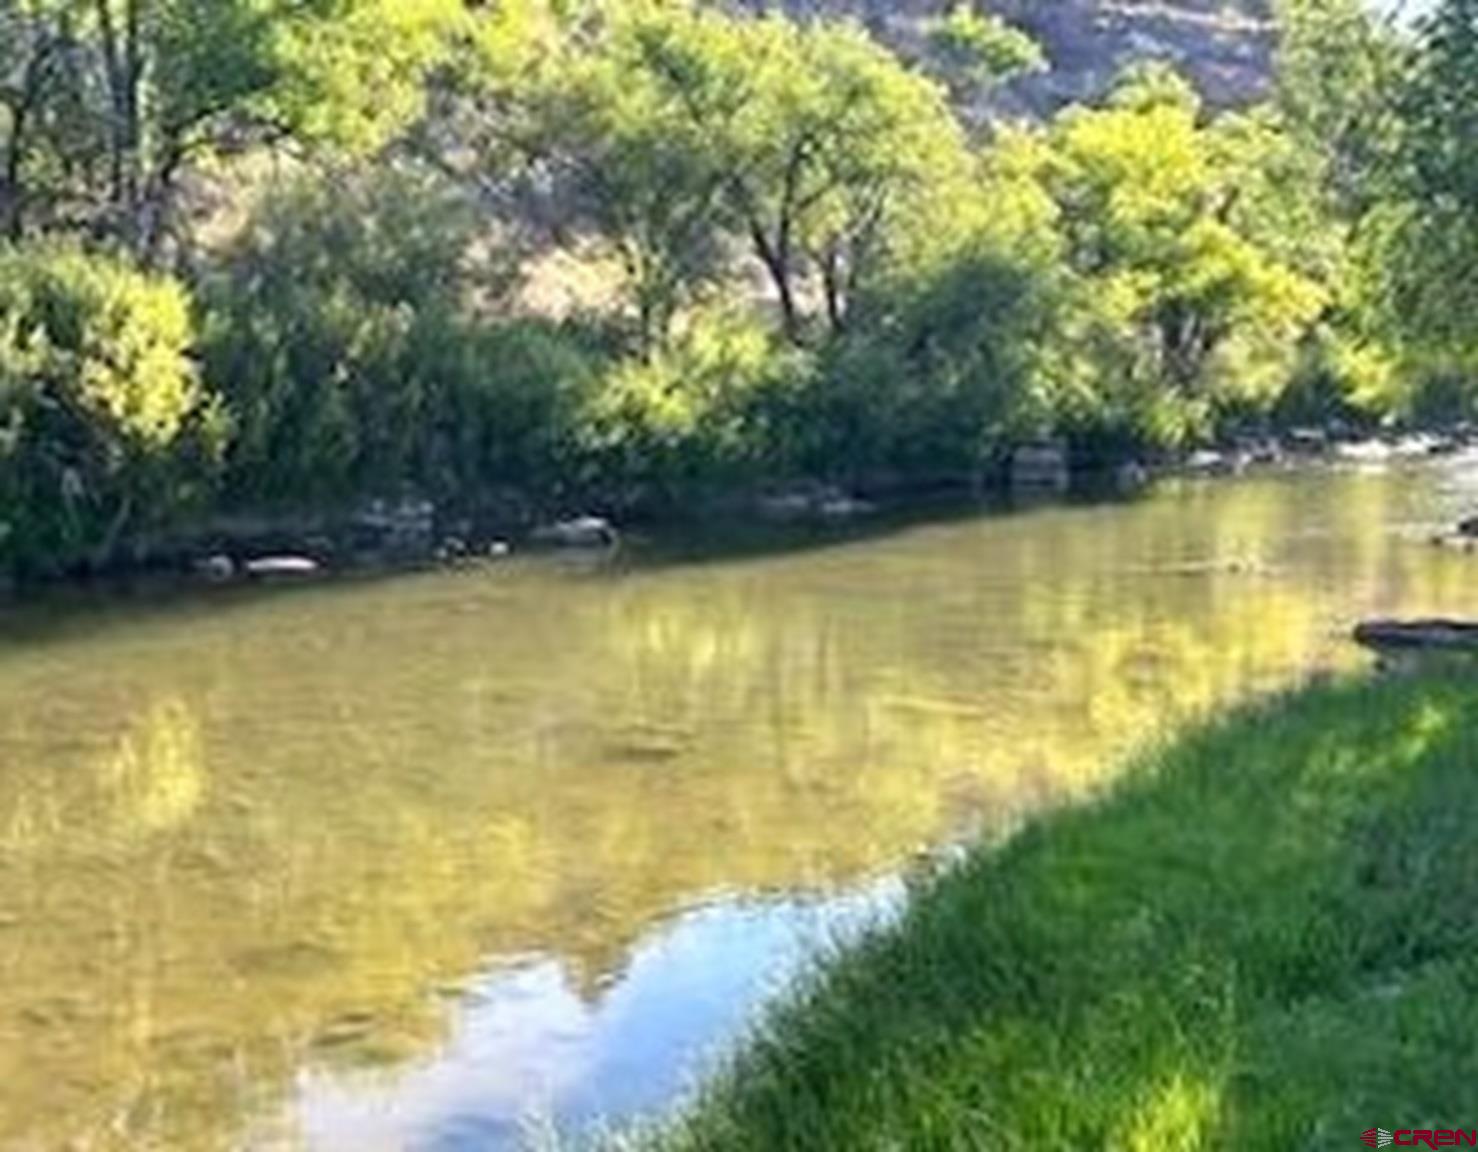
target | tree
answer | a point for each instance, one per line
(1421, 240)
(949, 355)
(121, 95)
(1335, 69)
(321, 319)
(978, 50)
(105, 426)
(353, 332)
(646, 174)
(39, 46)
(1193, 301)
(705, 411)
(823, 140)
(1320, 184)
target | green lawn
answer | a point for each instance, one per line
(1266, 938)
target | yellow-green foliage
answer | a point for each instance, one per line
(698, 411)
(105, 418)
(1190, 302)
(982, 48)
(808, 260)
(359, 77)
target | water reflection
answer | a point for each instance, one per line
(249, 851)
(532, 1055)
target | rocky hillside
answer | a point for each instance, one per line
(1225, 45)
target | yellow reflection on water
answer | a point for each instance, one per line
(250, 836)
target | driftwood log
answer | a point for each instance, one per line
(1403, 643)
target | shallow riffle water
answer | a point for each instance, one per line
(454, 861)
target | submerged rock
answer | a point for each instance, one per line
(1454, 540)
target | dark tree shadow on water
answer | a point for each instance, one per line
(70, 610)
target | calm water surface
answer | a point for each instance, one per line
(445, 862)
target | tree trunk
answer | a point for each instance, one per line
(107, 549)
(123, 68)
(776, 259)
(45, 47)
(832, 281)
(12, 197)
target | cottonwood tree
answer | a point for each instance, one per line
(1336, 69)
(1192, 302)
(824, 139)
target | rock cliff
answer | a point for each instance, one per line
(1225, 46)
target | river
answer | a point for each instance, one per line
(447, 861)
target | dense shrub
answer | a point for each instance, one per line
(711, 409)
(347, 331)
(105, 427)
(940, 378)
(508, 400)
(322, 321)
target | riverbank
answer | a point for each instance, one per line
(1264, 938)
(412, 533)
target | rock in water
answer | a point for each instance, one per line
(265, 567)
(1040, 468)
(578, 532)
(1426, 635)
(1405, 644)
(217, 568)
(1131, 476)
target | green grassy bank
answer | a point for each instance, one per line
(1266, 938)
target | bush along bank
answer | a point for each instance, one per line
(1264, 938)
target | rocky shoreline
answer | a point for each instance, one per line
(413, 533)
